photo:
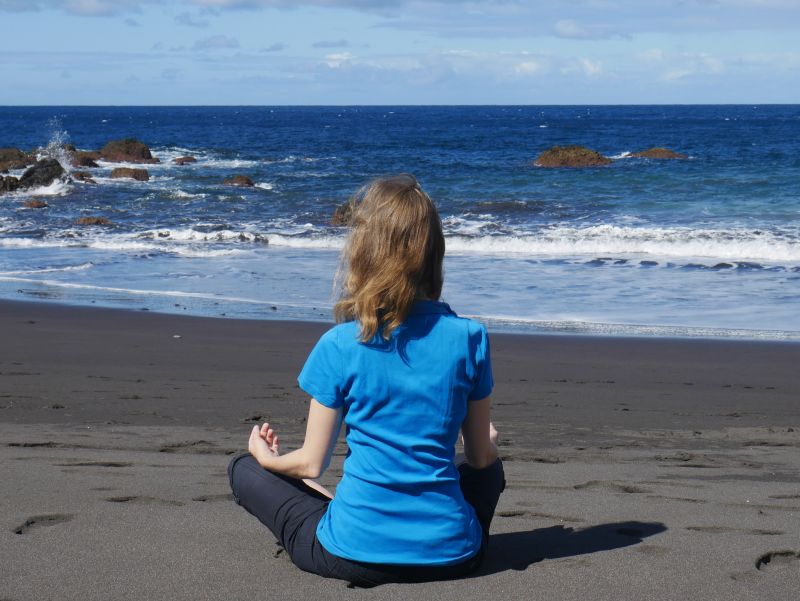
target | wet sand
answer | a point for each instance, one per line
(637, 468)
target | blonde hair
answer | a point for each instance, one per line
(393, 255)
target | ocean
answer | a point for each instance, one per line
(708, 246)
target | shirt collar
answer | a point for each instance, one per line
(427, 307)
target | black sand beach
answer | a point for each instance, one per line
(637, 468)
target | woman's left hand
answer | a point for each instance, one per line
(263, 443)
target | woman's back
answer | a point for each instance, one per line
(405, 375)
(404, 401)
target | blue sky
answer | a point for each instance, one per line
(267, 52)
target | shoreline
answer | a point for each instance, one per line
(495, 325)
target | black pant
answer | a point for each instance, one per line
(292, 510)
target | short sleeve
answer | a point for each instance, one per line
(321, 376)
(483, 381)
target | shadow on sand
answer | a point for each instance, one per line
(518, 550)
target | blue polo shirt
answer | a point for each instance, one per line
(404, 400)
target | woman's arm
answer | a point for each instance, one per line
(479, 435)
(312, 458)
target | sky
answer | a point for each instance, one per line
(346, 52)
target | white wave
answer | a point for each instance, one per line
(634, 330)
(265, 186)
(113, 165)
(621, 155)
(319, 242)
(192, 252)
(180, 194)
(188, 247)
(56, 188)
(134, 291)
(294, 159)
(470, 225)
(125, 244)
(192, 235)
(81, 267)
(212, 163)
(599, 240)
(36, 243)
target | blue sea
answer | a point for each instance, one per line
(708, 246)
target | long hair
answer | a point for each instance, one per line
(393, 255)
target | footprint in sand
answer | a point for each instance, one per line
(778, 559)
(611, 486)
(725, 530)
(198, 447)
(41, 521)
(142, 500)
(513, 513)
(213, 498)
(96, 464)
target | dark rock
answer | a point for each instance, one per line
(8, 183)
(343, 214)
(571, 156)
(83, 176)
(184, 160)
(93, 221)
(43, 173)
(128, 150)
(239, 180)
(658, 153)
(126, 172)
(14, 158)
(84, 159)
(35, 203)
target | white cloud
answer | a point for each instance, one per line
(528, 67)
(591, 68)
(577, 19)
(652, 55)
(90, 8)
(338, 59)
(688, 65)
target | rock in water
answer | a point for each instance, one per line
(8, 184)
(239, 180)
(83, 176)
(84, 159)
(126, 172)
(35, 203)
(658, 153)
(14, 158)
(128, 150)
(571, 156)
(43, 173)
(93, 221)
(343, 214)
(184, 160)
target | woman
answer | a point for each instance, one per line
(405, 374)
